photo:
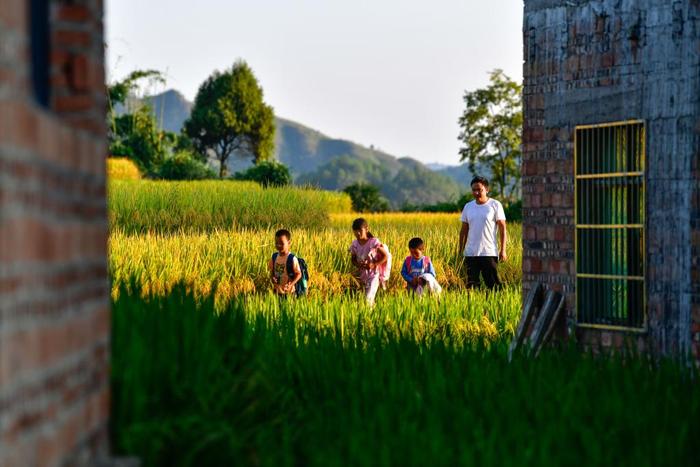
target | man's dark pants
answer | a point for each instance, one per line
(484, 265)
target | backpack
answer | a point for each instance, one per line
(302, 286)
(426, 263)
(384, 269)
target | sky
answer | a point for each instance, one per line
(387, 73)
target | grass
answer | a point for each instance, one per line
(265, 384)
(167, 207)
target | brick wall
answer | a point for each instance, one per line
(588, 62)
(54, 307)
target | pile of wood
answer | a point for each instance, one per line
(546, 309)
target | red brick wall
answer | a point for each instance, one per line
(54, 306)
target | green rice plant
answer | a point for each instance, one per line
(203, 206)
(464, 317)
(264, 382)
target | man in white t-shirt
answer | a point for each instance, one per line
(482, 221)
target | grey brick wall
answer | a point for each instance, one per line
(588, 62)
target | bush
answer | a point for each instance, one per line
(137, 137)
(514, 211)
(267, 173)
(366, 198)
(182, 166)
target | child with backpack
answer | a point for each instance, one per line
(288, 272)
(418, 270)
(371, 259)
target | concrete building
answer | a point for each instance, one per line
(611, 168)
(54, 296)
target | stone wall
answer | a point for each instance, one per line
(54, 295)
(589, 62)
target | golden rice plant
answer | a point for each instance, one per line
(232, 262)
(121, 168)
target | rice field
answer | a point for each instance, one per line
(308, 383)
(231, 262)
(167, 207)
(209, 368)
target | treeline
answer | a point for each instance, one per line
(230, 120)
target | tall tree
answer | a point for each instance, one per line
(118, 92)
(134, 133)
(229, 116)
(491, 131)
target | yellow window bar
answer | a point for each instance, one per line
(609, 210)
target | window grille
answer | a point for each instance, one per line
(609, 210)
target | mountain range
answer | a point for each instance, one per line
(329, 163)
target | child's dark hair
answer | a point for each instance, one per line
(480, 179)
(415, 242)
(283, 233)
(360, 222)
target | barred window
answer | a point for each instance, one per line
(609, 212)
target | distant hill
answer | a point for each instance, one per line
(435, 166)
(305, 150)
(171, 110)
(409, 183)
(331, 163)
(459, 173)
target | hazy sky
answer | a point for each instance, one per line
(390, 73)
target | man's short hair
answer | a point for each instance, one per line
(480, 179)
(415, 242)
(283, 233)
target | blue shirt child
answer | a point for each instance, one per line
(415, 268)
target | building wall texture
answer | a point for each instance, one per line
(590, 62)
(54, 296)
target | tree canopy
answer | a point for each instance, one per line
(267, 173)
(134, 133)
(366, 198)
(229, 116)
(491, 129)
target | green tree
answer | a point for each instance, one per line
(229, 116)
(118, 92)
(491, 129)
(267, 173)
(135, 133)
(366, 198)
(137, 137)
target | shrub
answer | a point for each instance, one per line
(267, 173)
(514, 211)
(182, 166)
(366, 198)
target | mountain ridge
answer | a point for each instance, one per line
(313, 157)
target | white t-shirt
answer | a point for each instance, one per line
(482, 218)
